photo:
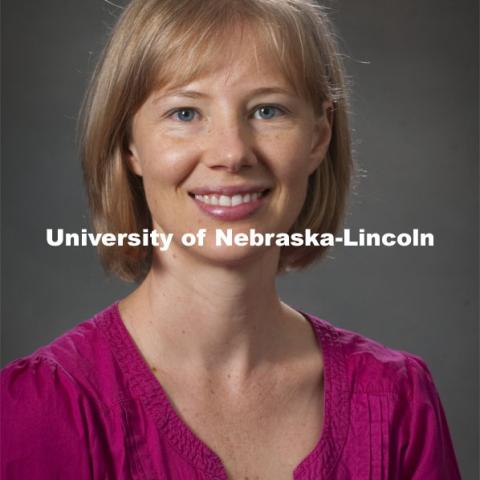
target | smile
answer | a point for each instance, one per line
(229, 200)
(230, 207)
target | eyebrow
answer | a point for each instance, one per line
(194, 94)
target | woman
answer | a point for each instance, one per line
(208, 114)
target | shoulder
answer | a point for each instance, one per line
(37, 391)
(52, 406)
(73, 362)
(45, 413)
(370, 366)
(396, 387)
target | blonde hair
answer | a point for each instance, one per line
(159, 41)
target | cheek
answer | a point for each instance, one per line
(167, 164)
(289, 158)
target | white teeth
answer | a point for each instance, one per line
(237, 200)
(225, 201)
(228, 201)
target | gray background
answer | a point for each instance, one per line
(414, 67)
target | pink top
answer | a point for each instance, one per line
(87, 406)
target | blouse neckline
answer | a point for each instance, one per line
(144, 385)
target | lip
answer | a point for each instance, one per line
(230, 213)
(228, 190)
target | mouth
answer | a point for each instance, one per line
(225, 200)
(230, 206)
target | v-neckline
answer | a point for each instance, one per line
(319, 463)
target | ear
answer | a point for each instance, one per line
(322, 134)
(133, 160)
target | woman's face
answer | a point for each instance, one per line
(232, 149)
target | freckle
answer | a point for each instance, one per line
(183, 332)
(154, 369)
(228, 375)
(212, 391)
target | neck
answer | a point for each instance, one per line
(229, 320)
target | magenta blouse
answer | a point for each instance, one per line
(87, 406)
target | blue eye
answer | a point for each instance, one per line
(184, 114)
(267, 112)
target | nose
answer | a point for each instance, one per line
(229, 146)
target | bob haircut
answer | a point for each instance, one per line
(156, 42)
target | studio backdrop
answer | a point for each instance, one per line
(412, 68)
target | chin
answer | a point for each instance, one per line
(231, 257)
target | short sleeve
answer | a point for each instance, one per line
(44, 423)
(429, 453)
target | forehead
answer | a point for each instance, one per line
(240, 53)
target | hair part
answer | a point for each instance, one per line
(158, 42)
